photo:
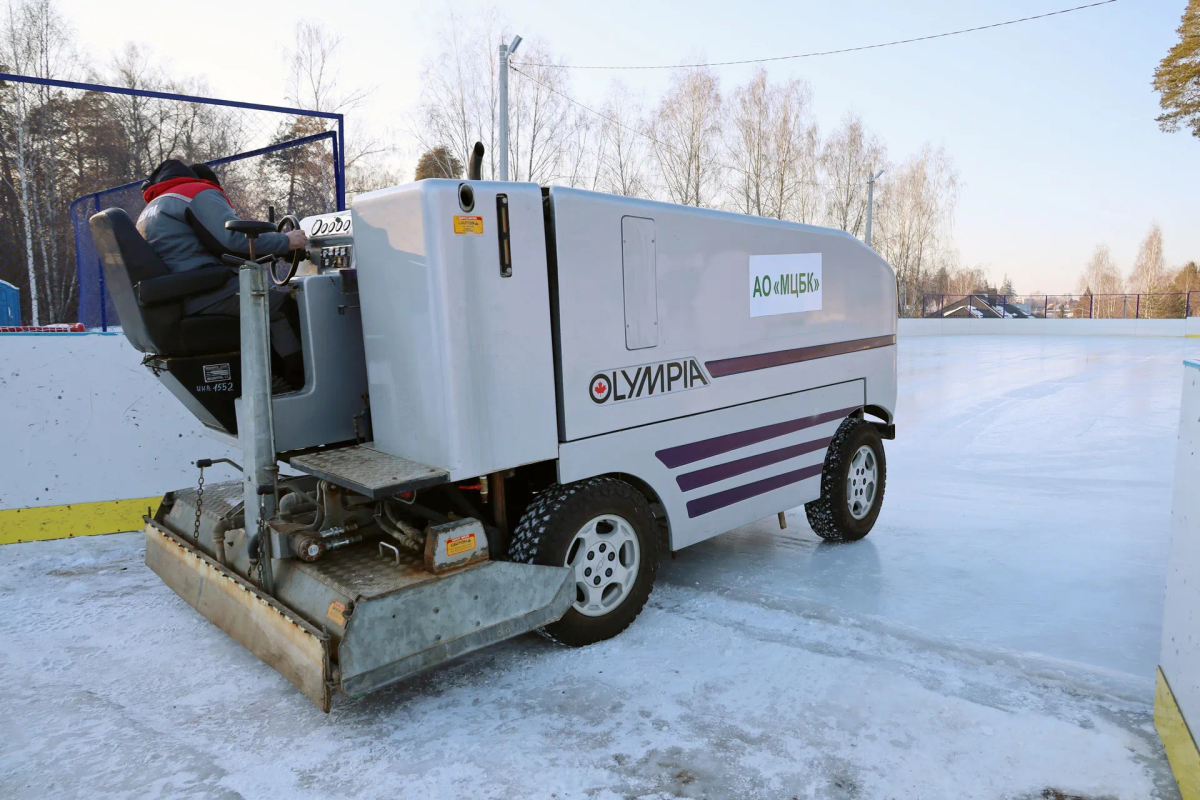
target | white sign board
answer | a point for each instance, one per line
(785, 284)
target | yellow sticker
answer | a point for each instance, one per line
(460, 544)
(468, 224)
(336, 612)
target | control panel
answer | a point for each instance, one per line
(330, 242)
(332, 257)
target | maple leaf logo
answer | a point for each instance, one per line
(601, 388)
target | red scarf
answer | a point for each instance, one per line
(188, 187)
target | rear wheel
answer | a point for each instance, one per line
(603, 530)
(852, 483)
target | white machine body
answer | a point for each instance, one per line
(460, 363)
(708, 355)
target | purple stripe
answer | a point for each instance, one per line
(703, 505)
(703, 477)
(682, 454)
(777, 358)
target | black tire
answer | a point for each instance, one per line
(830, 516)
(549, 526)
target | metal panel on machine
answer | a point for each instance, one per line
(641, 285)
(459, 357)
(743, 308)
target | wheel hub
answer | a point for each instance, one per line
(606, 557)
(861, 482)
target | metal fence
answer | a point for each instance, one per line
(1169, 305)
(103, 140)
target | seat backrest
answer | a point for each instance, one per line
(129, 259)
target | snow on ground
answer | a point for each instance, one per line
(994, 637)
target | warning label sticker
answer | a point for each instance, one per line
(463, 224)
(336, 612)
(460, 544)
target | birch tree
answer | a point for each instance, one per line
(848, 158)
(1102, 280)
(543, 124)
(914, 217)
(314, 82)
(459, 100)
(35, 41)
(772, 143)
(621, 148)
(1149, 275)
(686, 131)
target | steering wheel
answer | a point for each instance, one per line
(292, 259)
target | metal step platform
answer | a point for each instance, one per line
(360, 468)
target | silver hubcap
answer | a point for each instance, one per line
(605, 556)
(863, 478)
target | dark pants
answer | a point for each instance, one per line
(285, 330)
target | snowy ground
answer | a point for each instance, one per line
(994, 637)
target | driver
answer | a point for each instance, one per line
(184, 221)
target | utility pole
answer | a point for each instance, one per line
(506, 50)
(871, 202)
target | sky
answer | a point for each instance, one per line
(1050, 122)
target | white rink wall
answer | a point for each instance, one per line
(958, 326)
(1180, 657)
(83, 421)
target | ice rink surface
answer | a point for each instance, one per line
(994, 637)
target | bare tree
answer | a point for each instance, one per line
(459, 92)
(686, 131)
(773, 141)
(1102, 280)
(915, 216)
(621, 147)
(1149, 275)
(543, 124)
(314, 83)
(35, 41)
(849, 157)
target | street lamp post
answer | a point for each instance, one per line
(506, 50)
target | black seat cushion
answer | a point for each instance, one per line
(208, 333)
(128, 259)
(158, 328)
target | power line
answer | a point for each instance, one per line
(835, 52)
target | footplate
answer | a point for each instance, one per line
(365, 470)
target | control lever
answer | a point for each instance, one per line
(238, 261)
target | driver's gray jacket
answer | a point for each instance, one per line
(185, 224)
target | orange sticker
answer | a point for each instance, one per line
(460, 544)
(336, 612)
(468, 224)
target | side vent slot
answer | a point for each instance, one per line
(502, 235)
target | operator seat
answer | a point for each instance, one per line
(149, 297)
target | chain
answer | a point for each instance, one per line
(199, 505)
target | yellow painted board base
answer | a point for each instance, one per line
(77, 519)
(1177, 740)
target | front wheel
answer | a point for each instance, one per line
(852, 484)
(603, 530)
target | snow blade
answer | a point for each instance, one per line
(294, 648)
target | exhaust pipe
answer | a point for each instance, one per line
(475, 166)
